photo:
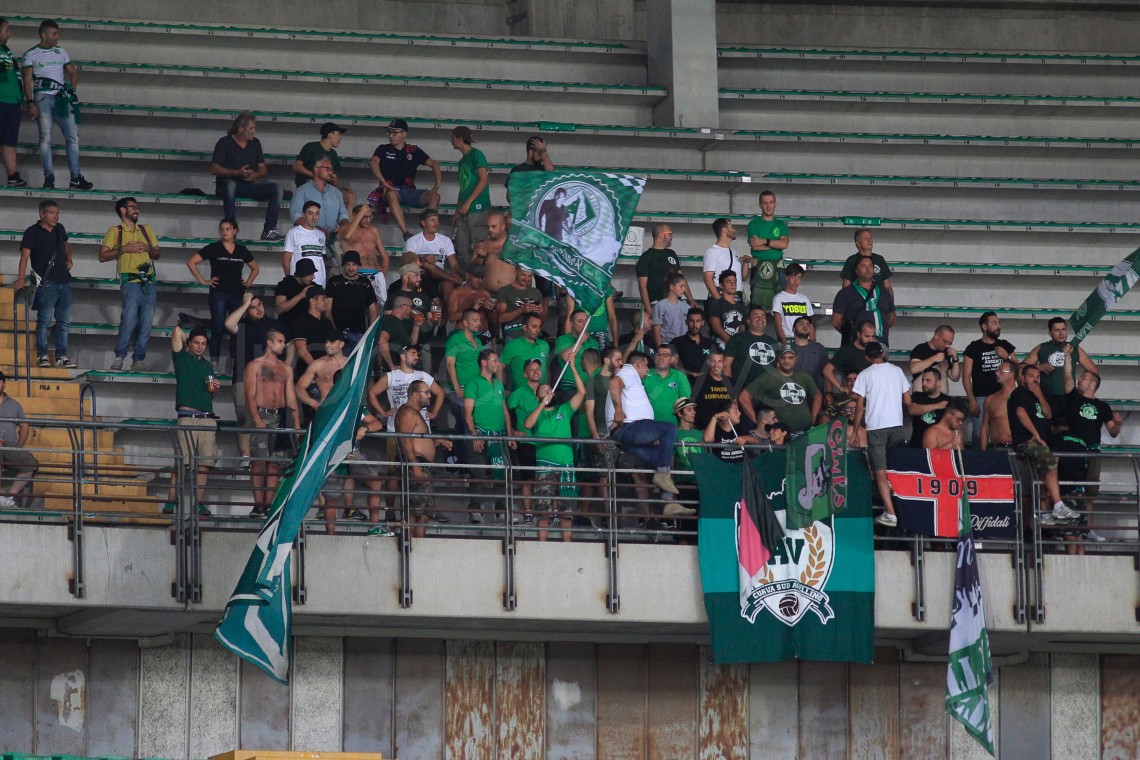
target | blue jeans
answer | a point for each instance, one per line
(648, 440)
(221, 304)
(54, 300)
(46, 104)
(229, 190)
(138, 315)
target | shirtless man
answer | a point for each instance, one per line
(995, 430)
(472, 293)
(322, 371)
(361, 236)
(418, 451)
(269, 393)
(947, 432)
(499, 272)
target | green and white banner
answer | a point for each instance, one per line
(813, 596)
(1107, 294)
(257, 624)
(569, 226)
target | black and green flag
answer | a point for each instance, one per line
(817, 474)
(814, 598)
(1107, 294)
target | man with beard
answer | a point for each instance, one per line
(811, 356)
(850, 358)
(1029, 415)
(693, 348)
(486, 253)
(792, 394)
(925, 405)
(937, 353)
(268, 393)
(1050, 356)
(750, 352)
(719, 256)
(710, 389)
(995, 431)
(979, 368)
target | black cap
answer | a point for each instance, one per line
(398, 124)
(329, 127)
(315, 291)
(874, 348)
(352, 256)
(411, 347)
(304, 267)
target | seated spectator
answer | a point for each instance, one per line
(437, 257)
(881, 392)
(1029, 415)
(485, 412)
(516, 300)
(250, 327)
(45, 248)
(850, 358)
(320, 190)
(13, 435)
(564, 387)
(668, 318)
(778, 434)
(864, 245)
(654, 265)
(722, 428)
(1050, 356)
(693, 348)
(410, 285)
(134, 249)
(306, 241)
(306, 161)
(790, 304)
(665, 384)
(947, 432)
(528, 346)
(937, 353)
(473, 203)
(811, 356)
(994, 430)
(394, 333)
(362, 236)
(863, 300)
(925, 406)
(237, 165)
(603, 325)
(195, 386)
(352, 301)
(291, 293)
(711, 389)
(228, 261)
(267, 400)
(767, 239)
(395, 165)
(750, 352)
(719, 256)
(792, 394)
(50, 80)
(725, 312)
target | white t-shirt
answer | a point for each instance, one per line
(398, 382)
(634, 401)
(440, 247)
(47, 63)
(718, 259)
(883, 386)
(791, 306)
(307, 244)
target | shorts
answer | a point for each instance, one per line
(242, 413)
(9, 124)
(523, 456)
(1038, 455)
(369, 465)
(878, 441)
(410, 196)
(204, 443)
(420, 496)
(555, 491)
(18, 459)
(265, 445)
(603, 456)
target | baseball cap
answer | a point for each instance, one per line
(874, 348)
(529, 362)
(315, 291)
(329, 127)
(350, 256)
(682, 404)
(411, 347)
(398, 124)
(410, 269)
(304, 267)
(797, 320)
(788, 348)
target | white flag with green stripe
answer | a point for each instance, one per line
(257, 624)
(569, 226)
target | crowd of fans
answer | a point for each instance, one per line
(471, 344)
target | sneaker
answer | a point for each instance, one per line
(245, 463)
(168, 508)
(15, 180)
(887, 519)
(43, 361)
(79, 183)
(1062, 512)
(475, 516)
(664, 481)
(440, 517)
(528, 519)
(356, 514)
(63, 361)
(673, 509)
(668, 525)
(202, 511)
(380, 530)
(1047, 520)
(139, 366)
(1092, 535)
(272, 236)
(7, 502)
(117, 365)
(49, 182)
(259, 511)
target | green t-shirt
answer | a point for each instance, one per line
(773, 230)
(469, 167)
(554, 423)
(488, 396)
(10, 85)
(789, 396)
(751, 355)
(599, 320)
(654, 265)
(682, 450)
(398, 335)
(567, 341)
(847, 359)
(522, 402)
(190, 375)
(466, 355)
(663, 392)
(518, 352)
(310, 154)
(1053, 354)
(514, 298)
(598, 390)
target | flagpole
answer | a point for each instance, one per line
(577, 343)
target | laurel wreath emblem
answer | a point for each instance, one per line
(816, 569)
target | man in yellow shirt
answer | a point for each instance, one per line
(134, 249)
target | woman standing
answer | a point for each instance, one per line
(228, 258)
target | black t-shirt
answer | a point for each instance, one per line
(229, 155)
(289, 287)
(922, 352)
(47, 248)
(986, 363)
(1085, 417)
(654, 265)
(421, 302)
(730, 453)
(849, 359)
(351, 299)
(251, 340)
(920, 423)
(1023, 398)
(399, 165)
(314, 331)
(226, 266)
(692, 355)
(710, 396)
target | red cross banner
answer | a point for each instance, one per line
(928, 485)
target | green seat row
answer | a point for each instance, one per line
(925, 97)
(1021, 183)
(282, 75)
(615, 130)
(731, 51)
(1116, 315)
(252, 32)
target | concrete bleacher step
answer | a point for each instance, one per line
(59, 438)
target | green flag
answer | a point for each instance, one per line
(969, 671)
(814, 596)
(1110, 290)
(569, 226)
(257, 623)
(817, 474)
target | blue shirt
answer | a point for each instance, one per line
(331, 200)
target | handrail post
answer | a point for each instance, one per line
(179, 588)
(613, 595)
(510, 598)
(918, 562)
(83, 391)
(1020, 568)
(76, 584)
(300, 591)
(405, 537)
